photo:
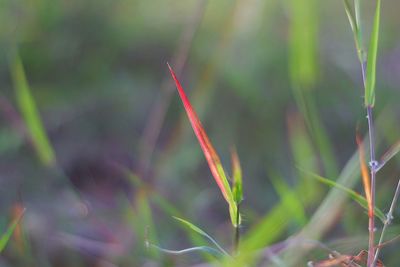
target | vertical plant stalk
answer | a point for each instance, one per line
(368, 69)
(388, 221)
(373, 165)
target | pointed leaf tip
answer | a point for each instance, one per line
(209, 152)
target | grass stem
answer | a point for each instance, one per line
(373, 165)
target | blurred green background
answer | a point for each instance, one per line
(279, 80)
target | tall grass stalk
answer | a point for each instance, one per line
(373, 165)
(368, 71)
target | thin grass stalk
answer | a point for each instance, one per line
(373, 167)
(388, 221)
(373, 164)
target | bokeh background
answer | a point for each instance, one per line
(279, 80)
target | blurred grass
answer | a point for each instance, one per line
(5, 237)
(27, 106)
(273, 78)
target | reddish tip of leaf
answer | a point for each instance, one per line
(211, 155)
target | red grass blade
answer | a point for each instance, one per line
(211, 155)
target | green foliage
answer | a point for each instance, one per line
(241, 60)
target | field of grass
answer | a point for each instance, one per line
(103, 162)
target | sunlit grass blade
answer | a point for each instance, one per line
(201, 232)
(364, 172)
(354, 195)
(211, 155)
(6, 236)
(371, 58)
(237, 177)
(27, 106)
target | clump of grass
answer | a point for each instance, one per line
(233, 194)
(367, 59)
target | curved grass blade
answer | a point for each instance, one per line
(6, 236)
(353, 194)
(27, 106)
(211, 155)
(371, 59)
(206, 249)
(201, 232)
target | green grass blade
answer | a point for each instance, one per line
(27, 106)
(237, 189)
(201, 232)
(371, 59)
(290, 199)
(351, 17)
(7, 235)
(355, 27)
(354, 195)
(203, 249)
